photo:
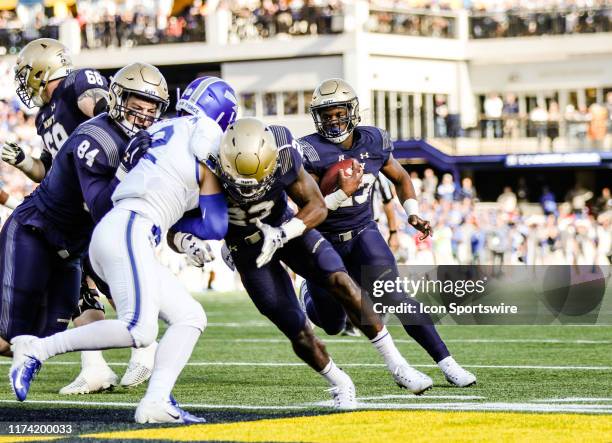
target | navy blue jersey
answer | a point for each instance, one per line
(372, 148)
(76, 191)
(57, 119)
(272, 208)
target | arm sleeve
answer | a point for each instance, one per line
(210, 223)
(95, 175)
(386, 144)
(46, 158)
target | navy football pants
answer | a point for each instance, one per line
(370, 249)
(270, 286)
(39, 290)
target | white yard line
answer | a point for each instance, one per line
(348, 365)
(573, 399)
(403, 340)
(454, 406)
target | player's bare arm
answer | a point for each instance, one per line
(8, 200)
(93, 101)
(33, 167)
(405, 192)
(306, 194)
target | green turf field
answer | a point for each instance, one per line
(244, 369)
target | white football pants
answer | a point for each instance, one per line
(122, 254)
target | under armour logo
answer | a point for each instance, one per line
(364, 155)
(233, 248)
(52, 106)
(341, 157)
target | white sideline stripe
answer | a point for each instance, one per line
(252, 324)
(572, 399)
(518, 407)
(133, 405)
(403, 340)
(423, 397)
(353, 365)
(515, 407)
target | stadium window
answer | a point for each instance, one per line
(307, 100)
(248, 104)
(269, 103)
(290, 103)
(591, 96)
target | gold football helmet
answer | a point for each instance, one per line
(39, 62)
(334, 93)
(248, 159)
(144, 81)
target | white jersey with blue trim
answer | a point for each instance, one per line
(165, 182)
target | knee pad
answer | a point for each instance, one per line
(143, 334)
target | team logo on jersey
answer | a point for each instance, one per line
(364, 155)
(341, 157)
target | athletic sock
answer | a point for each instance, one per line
(172, 355)
(383, 342)
(92, 358)
(334, 375)
(103, 334)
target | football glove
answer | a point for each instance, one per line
(138, 147)
(13, 154)
(197, 250)
(273, 239)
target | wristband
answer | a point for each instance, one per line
(335, 199)
(411, 206)
(12, 202)
(27, 164)
(293, 228)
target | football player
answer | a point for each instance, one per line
(349, 227)
(46, 78)
(170, 180)
(49, 232)
(260, 167)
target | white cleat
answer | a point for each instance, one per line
(344, 396)
(140, 367)
(455, 374)
(90, 380)
(157, 411)
(409, 378)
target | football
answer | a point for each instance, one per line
(329, 181)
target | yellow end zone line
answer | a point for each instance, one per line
(391, 426)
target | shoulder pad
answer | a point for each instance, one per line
(205, 138)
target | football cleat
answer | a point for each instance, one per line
(350, 330)
(140, 367)
(455, 374)
(91, 379)
(344, 395)
(168, 411)
(25, 366)
(409, 378)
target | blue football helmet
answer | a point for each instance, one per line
(212, 97)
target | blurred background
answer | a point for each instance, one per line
(501, 110)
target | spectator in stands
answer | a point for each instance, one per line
(510, 116)
(603, 203)
(548, 201)
(507, 201)
(598, 126)
(417, 183)
(446, 189)
(467, 190)
(441, 115)
(539, 119)
(430, 184)
(493, 107)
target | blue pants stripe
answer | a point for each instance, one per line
(128, 239)
(8, 281)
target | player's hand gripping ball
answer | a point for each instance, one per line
(345, 175)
